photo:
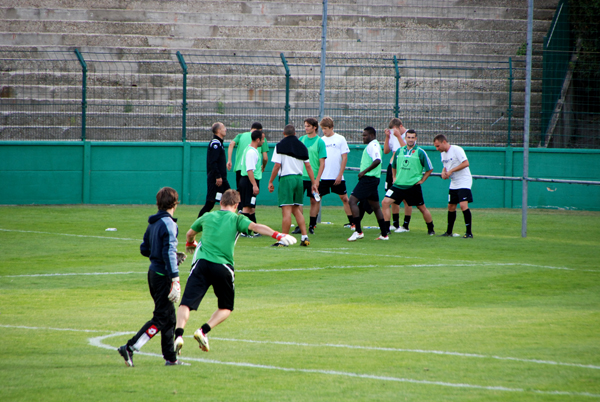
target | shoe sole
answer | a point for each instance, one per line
(178, 347)
(358, 238)
(203, 346)
(305, 243)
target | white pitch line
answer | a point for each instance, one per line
(98, 342)
(68, 234)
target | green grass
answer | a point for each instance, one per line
(495, 318)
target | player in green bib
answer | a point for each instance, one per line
(213, 264)
(409, 164)
(241, 141)
(366, 190)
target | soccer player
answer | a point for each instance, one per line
(251, 164)
(456, 168)
(213, 264)
(290, 156)
(409, 164)
(216, 171)
(317, 153)
(241, 141)
(394, 140)
(160, 245)
(332, 179)
(368, 182)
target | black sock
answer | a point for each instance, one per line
(313, 221)
(384, 226)
(205, 328)
(467, 215)
(178, 332)
(357, 224)
(396, 219)
(350, 219)
(451, 219)
(406, 221)
(430, 226)
(252, 217)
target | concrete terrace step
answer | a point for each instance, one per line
(190, 31)
(224, 20)
(398, 47)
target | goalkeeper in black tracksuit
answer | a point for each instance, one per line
(160, 245)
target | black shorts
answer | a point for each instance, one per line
(214, 193)
(308, 188)
(247, 197)
(459, 195)
(238, 176)
(328, 186)
(389, 178)
(205, 273)
(367, 189)
(412, 196)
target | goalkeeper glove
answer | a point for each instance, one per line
(190, 247)
(283, 238)
(175, 291)
(180, 258)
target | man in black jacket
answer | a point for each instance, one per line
(160, 246)
(216, 169)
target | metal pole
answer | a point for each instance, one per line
(509, 111)
(184, 97)
(84, 71)
(527, 116)
(323, 61)
(397, 104)
(287, 89)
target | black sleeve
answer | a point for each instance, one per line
(212, 159)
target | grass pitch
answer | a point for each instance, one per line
(494, 318)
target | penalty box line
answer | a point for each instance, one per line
(339, 346)
(98, 342)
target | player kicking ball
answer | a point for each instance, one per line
(213, 264)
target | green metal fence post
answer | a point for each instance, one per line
(184, 97)
(287, 89)
(397, 101)
(83, 92)
(509, 111)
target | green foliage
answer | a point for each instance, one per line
(522, 51)
(349, 321)
(585, 21)
(220, 107)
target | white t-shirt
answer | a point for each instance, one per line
(451, 159)
(251, 158)
(289, 165)
(336, 146)
(394, 144)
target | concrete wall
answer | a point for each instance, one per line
(132, 173)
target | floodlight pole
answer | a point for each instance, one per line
(527, 113)
(323, 61)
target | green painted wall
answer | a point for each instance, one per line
(132, 173)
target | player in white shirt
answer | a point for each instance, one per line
(394, 140)
(456, 168)
(332, 179)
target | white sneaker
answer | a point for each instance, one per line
(178, 345)
(202, 339)
(355, 236)
(401, 229)
(392, 227)
(381, 237)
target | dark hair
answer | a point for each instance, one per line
(371, 131)
(312, 121)
(411, 131)
(440, 138)
(289, 130)
(395, 122)
(216, 126)
(230, 198)
(166, 198)
(256, 125)
(256, 134)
